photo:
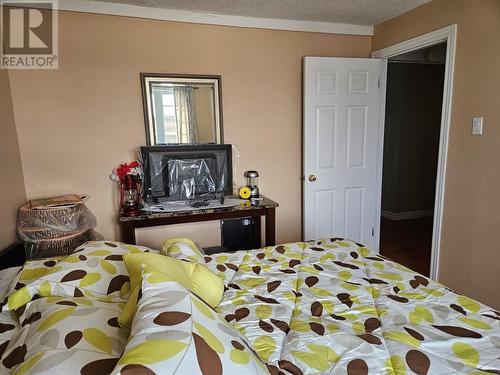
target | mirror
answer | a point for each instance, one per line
(182, 109)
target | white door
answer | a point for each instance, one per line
(341, 134)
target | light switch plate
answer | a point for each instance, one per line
(477, 126)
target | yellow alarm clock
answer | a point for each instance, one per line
(244, 192)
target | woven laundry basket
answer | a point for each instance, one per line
(61, 218)
(39, 233)
(58, 246)
(55, 231)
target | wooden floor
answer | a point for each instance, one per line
(408, 242)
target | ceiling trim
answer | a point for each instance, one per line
(116, 9)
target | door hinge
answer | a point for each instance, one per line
(378, 83)
(373, 232)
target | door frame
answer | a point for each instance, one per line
(446, 34)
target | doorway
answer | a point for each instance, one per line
(448, 35)
(414, 98)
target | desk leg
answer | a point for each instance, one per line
(128, 232)
(271, 227)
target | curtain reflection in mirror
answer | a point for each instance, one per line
(175, 114)
(182, 110)
(185, 114)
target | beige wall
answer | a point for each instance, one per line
(470, 247)
(76, 123)
(12, 192)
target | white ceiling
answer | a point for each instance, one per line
(356, 12)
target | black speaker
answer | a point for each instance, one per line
(240, 234)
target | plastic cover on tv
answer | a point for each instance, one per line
(185, 175)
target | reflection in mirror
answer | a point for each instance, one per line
(182, 109)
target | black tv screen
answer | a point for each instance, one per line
(173, 173)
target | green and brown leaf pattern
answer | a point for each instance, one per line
(65, 338)
(177, 335)
(365, 313)
(327, 306)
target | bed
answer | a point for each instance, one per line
(330, 306)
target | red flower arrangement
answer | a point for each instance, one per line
(133, 168)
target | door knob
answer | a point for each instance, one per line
(312, 178)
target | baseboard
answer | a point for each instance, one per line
(406, 215)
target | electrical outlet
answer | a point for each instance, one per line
(477, 126)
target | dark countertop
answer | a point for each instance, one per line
(264, 203)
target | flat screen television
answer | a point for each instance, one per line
(174, 173)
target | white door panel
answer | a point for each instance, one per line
(341, 128)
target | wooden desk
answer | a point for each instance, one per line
(265, 207)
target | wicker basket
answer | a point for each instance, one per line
(64, 218)
(39, 233)
(55, 231)
(59, 246)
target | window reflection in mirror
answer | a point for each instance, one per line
(181, 109)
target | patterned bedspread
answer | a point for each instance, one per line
(336, 307)
(330, 307)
